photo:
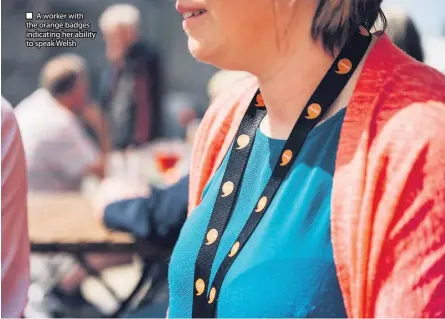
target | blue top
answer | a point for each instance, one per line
(286, 269)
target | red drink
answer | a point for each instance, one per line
(166, 160)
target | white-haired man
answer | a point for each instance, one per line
(131, 86)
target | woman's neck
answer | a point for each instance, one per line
(288, 83)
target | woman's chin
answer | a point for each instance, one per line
(208, 54)
(198, 50)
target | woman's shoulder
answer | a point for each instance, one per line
(409, 80)
(418, 82)
(412, 89)
(391, 83)
(392, 78)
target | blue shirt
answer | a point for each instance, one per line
(286, 269)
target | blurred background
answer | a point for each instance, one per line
(161, 26)
(134, 97)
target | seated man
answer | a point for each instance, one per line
(59, 156)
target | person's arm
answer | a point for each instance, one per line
(155, 218)
(95, 118)
(15, 238)
(97, 168)
(76, 154)
(406, 264)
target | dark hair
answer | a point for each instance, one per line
(404, 34)
(64, 84)
(335, 20)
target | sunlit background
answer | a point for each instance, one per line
(429, 15)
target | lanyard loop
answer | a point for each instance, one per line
(205, 294)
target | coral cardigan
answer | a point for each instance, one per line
(388, 198)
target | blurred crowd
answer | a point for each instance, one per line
(114, 149)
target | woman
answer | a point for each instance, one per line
(342, 218)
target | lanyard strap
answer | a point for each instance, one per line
(205, 297)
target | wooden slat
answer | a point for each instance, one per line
(67, 218)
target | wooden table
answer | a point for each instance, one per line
(66, 223)
(67, 218)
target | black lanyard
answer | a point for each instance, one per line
(205, 298)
